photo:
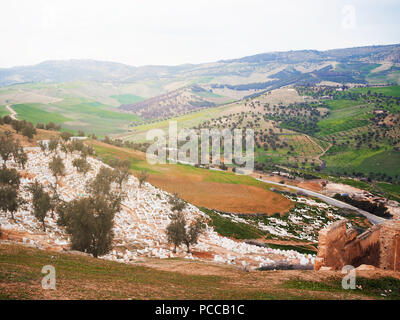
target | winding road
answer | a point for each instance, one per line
(13, 114)
(371, 217)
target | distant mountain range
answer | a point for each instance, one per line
(261, 71)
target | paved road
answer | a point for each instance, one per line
(371, 217)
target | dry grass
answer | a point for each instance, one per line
(81, 277)
(41, 135)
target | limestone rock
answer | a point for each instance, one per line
(323, 268)
(365, 267)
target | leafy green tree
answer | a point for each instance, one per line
(77, 145)
(81, 165)
(64, 148)
(57, 167)
(87, 151)
(121, 175)
(7, 148)
(66, 135)
(176, 230)
(18, 125)
(53, 126)
(192, 234)
(90, 220)
(55, 200)
(20, 155)
(10, 200)
(90, 223)
(41, 202)
(121, 170)
(177, 203)
(53, 144)
(7, 119)
(29, 131)
(62, 212)
(43, 147)
(101, 184)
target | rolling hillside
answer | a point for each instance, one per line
(175, 102)
(261, 71)
(81, 277)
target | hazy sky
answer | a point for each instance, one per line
(141, 32)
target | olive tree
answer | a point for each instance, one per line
(81, 165)
(57, 167)
(142, 177)
(41, 202)
(178, 231)
(10, 200)
(53, 145)
(6, 148)
(90, 220)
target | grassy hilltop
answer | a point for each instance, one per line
(81, 277)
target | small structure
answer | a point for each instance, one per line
(389, 257)
(379, 246)
(77, 138)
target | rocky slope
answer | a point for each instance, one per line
(139, 227)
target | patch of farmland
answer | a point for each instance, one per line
(127, 98)
(4, 111)
(34, 113)
(211, 189)
(387, 91)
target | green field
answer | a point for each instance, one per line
(78, 114)
(347, 158)
(127, 98)
(4, 111)
(387, 162)
(341, 104)
(345, 115)
(138, 163)
(387, 91)
(185, 121)
(34, 112)
(207, 94)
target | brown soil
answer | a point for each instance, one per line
(313, 185)
(225, 197)
(24, 141)
(195, 187)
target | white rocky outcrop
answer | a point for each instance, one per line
(139, 227)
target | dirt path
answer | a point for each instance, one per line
(13, 114)
(325, 151)
(322, 149)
